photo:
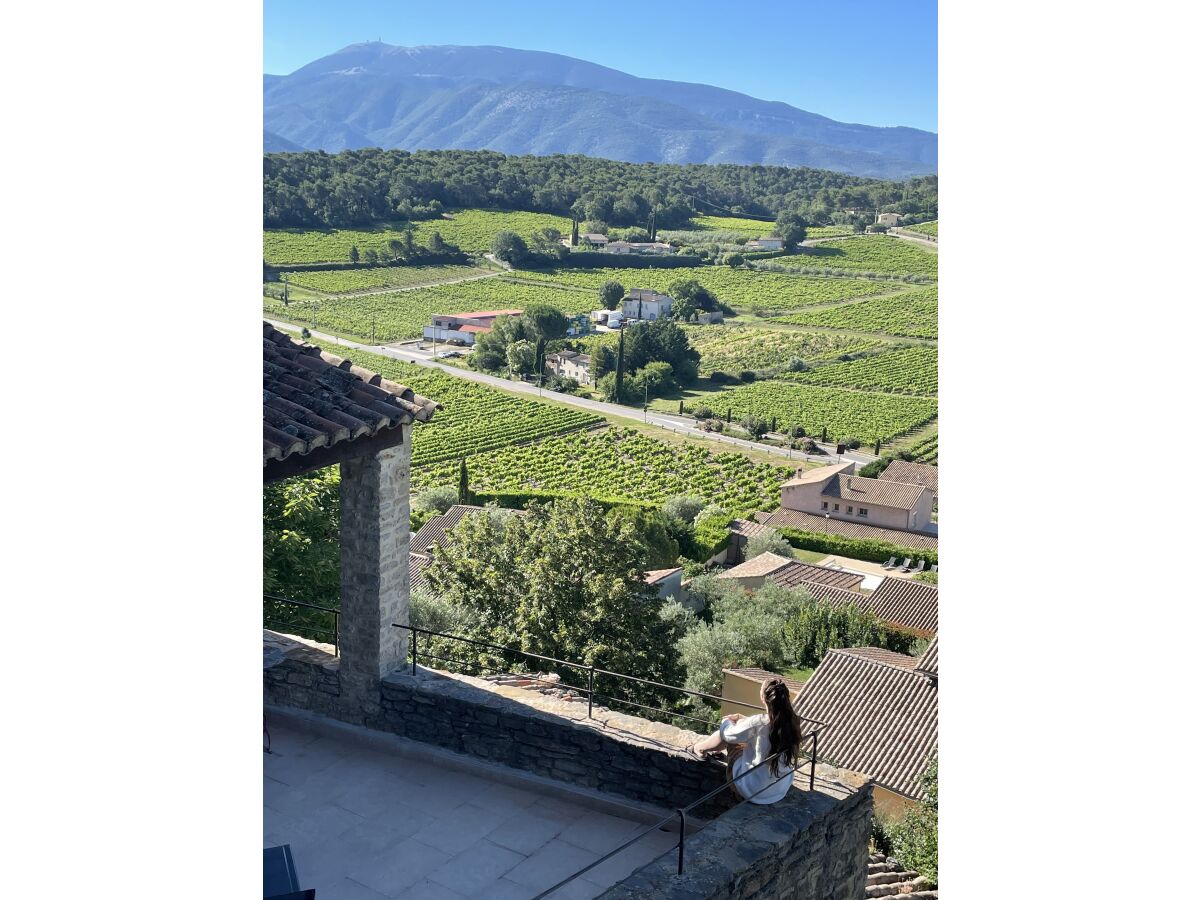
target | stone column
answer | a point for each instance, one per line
(374, 563)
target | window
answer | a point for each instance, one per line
(837, 507)
(862, 512)
(824, 504)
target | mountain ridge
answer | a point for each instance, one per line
(522, 101)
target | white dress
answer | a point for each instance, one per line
(753, 731)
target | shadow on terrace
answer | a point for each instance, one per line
(386, 778)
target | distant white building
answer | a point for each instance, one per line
(657, 247)
(646, 305)
(464, 327)
(765, 243)
(596, 240)
(891, 220)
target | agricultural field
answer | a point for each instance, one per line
(475, 418)
(751, 227)
(929, 228)
(845, 414)
(620, 463)
(345, 281)
(926, 450)
(908, 370)
(733, 348)
(402, 315)
(471, 230)
(740, 288)
(911, 314)
(876, 253)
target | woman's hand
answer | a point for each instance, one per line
(733, 717)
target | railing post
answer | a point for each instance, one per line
(812, 766)
(412, 648)
(682, 826)
(337, 633)
(591, 687)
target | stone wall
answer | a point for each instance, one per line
(300, 673)
(808, 846)
(611, 752)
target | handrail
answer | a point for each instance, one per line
(591, 670)
(335, 633)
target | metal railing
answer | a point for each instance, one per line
(297, 626)
(810, 737)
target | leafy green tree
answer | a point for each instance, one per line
(652, 380)
(604, 360)
(683, 507)
(436, 244)
(435, 499)
(371, 257)
(611, 293)
(663, 341)
(692, 295)
(915, 837)
(661, 550)
(301, 558)
(395, 248)
(521, 357)
(733, 260)
(510, 247)
(546, 322)
(792, 228)
(354, 253)
(769, 541)
(563, 580)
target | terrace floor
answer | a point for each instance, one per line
(378, 816)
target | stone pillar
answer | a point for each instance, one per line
(374, 563)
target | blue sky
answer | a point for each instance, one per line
(866, 61)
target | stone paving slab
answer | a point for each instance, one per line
(367, 823)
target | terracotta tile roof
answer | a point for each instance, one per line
(433, 530)
(911, 473)
(893, 494)
(763, 564)
(928, 664)
(887, 657)
(761, 675)
(417, 563)
(656, 575)
(909, 603)
(793, 518)
(803, 573)
(485, 314)
(473, 329)
(881, 718)
(313, 399)
(914, 617)
(747, 528)
(819, 474)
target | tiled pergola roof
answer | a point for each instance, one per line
(316, 404)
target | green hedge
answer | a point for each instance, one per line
(711, 537)
(521, 499)
(597, 260)
(857, 548)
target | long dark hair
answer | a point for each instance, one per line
(784, 725)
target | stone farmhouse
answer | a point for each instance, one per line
(764, 243)
(833, 491)
(464, 327)
(889, 219)
(653, 248)
(570, 364)
(645, 305)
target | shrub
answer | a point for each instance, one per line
(755, 425)
(435, 499)
(857, 548)
(719, 377)
(914, 838)
(853, 444)
(796, 431)
(702, 413)
(809, 446)
(683, 507)
(769, 541)
(747, 375)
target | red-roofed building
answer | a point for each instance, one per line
(464, 327)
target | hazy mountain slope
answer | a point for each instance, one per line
(518, 101)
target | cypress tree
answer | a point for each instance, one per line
(354, 253)
(464, 487)
(729, 414)
(824, 435)
(621, 367)
(876, 446)
(681, 407)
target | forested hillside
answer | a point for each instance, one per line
(371, 186)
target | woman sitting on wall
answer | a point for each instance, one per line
(748, 740)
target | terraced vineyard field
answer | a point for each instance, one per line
(876, 253)
(623, 464)
(926, 450)
(911, 314)
(475, 418)
(740, 288)
(732, 348)
(909, 370)
(846, 414)
(402, 315)
(344, 281)
(471, 230)
(752, 227)
(929, 228)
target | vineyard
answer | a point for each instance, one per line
(345, 281)
(911, 314)
(875, 253)
(751, 227)
(845, 414)
(741, 288)
(733, 348)
(619, 463)
(471, 230)
(403, 315)
(926, 450)
(475, 418)
(929, 228)
(910, 370)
